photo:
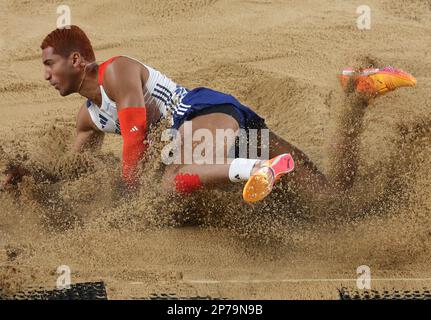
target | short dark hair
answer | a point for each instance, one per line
(67, 40)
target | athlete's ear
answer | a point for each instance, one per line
(77, 59)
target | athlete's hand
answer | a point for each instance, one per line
(14, 176)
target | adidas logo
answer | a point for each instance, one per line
(103, 120)
(134, 129)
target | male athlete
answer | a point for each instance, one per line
(125, 96)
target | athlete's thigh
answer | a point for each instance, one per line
(208, 139)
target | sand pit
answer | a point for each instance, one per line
(280, 58)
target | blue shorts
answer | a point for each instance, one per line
(202, 100)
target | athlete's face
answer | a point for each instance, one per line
(62, 73)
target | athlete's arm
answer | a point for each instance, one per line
(13, 176)
(88, 136)
(123, 82)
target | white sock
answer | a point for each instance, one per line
(240, 169)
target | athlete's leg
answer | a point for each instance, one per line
(220, 131)
(210, 174)
(360, 88)
(306, 174)
(344, 155)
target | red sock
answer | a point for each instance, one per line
(187, 183)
